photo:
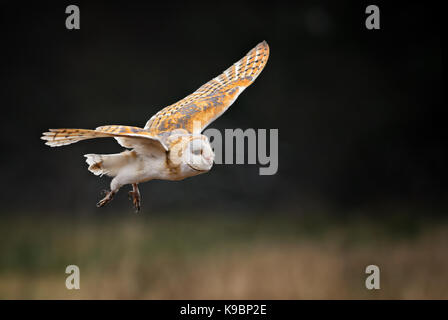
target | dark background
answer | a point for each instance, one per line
(359, 112)
(362, 161)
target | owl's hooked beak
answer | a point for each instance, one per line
(198, 170)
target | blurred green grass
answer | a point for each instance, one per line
(200, 256)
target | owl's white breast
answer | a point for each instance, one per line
(157, 166)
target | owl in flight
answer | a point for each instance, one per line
(170, 146)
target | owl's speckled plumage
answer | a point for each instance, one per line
(213, 98)
(170, 146)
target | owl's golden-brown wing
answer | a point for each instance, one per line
(213, 98)
(127, 136)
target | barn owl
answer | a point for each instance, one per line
(170, 146)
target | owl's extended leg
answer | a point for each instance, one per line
(108, 198)
(114, 187)
(134, 195)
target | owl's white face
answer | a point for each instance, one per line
(198, 154)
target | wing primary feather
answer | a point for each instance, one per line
(213, 98)
(61, 137)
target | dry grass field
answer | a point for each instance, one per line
(195, 257)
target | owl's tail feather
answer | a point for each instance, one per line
(95, 162)
(108, 164)
(62, 137)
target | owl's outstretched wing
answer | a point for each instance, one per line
(128, 137)
(213, 98)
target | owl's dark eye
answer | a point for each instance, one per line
(197, 152)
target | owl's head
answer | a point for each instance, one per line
(193, 153)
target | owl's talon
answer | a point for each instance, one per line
(134, 195)
(135, 198)
(108, 198)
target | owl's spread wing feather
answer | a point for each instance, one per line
(196, 111)
(127, 136)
